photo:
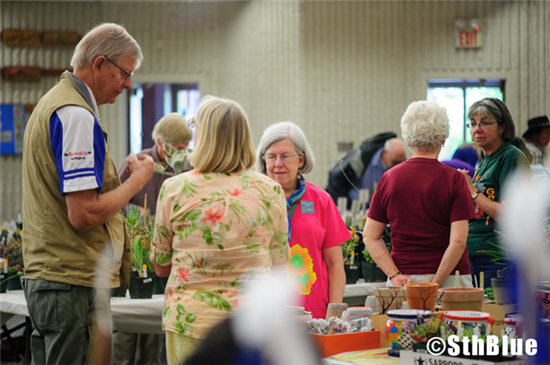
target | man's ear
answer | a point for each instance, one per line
(98, 62)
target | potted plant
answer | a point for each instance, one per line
(350, 261)
(422, 332)
(12, 265)
(140, 230)
(371, 272)
(500, 285)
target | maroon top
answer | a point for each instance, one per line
(421, 198)
(152, 188)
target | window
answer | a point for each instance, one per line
(457, 95)
(150, 102)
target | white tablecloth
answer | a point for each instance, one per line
(129, 315)
(361, 289)
(144, 315)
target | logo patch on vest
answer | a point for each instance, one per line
(81, 155)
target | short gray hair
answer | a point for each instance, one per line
(279, 131)
(172, 128)
(425, 125)
(107, 39)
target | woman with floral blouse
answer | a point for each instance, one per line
(215, 226)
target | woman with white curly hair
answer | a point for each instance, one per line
(427, 204)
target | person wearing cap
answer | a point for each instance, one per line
(537, 137)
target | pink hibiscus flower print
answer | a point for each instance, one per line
(183, 274)
(213, 215)
(234, 192)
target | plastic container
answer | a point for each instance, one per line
(345, 342)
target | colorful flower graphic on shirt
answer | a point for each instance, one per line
(300, 270)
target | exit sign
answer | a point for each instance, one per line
(468, 39)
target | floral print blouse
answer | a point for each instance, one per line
(215, 230)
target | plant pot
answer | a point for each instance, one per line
(501, 286)
(140, 288)
(379, 276)
(543, 299)
(335, 310)
(461, 298)
(422, 295)
(389, 297)
(467, 323)
(372, 273)
(352, 273)
(399, 324)
(159, 284)
(14, 282)
(118, 292)
(3, 283)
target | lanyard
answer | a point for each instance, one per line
(292, 201)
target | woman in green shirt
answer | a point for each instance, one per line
(492, 129)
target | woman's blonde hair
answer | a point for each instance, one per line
(172, 128)
(224, 139)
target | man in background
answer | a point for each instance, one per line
(537, 137)
(72, 197)
(362, 167)
(171, 135)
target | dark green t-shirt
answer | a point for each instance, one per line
(489, 180)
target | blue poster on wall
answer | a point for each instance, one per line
(12, 126)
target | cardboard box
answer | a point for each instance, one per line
(411, 357)
(379, 323)
(345, 342)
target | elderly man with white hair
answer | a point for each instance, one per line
(72, 197)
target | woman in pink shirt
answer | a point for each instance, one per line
(316, 229)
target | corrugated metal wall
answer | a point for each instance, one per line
(343, 70)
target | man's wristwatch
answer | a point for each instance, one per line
(475, 194)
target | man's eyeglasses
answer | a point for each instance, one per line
(285, 157)
(482, 124)
(126, 74)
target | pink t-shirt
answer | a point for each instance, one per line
(421, 198)
(316, 225)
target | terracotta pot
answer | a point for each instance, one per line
(461, 298)
(422, 295)
(389, 297)
(335, 310)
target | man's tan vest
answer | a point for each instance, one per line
(52, 248)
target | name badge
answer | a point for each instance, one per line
(307, 207)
